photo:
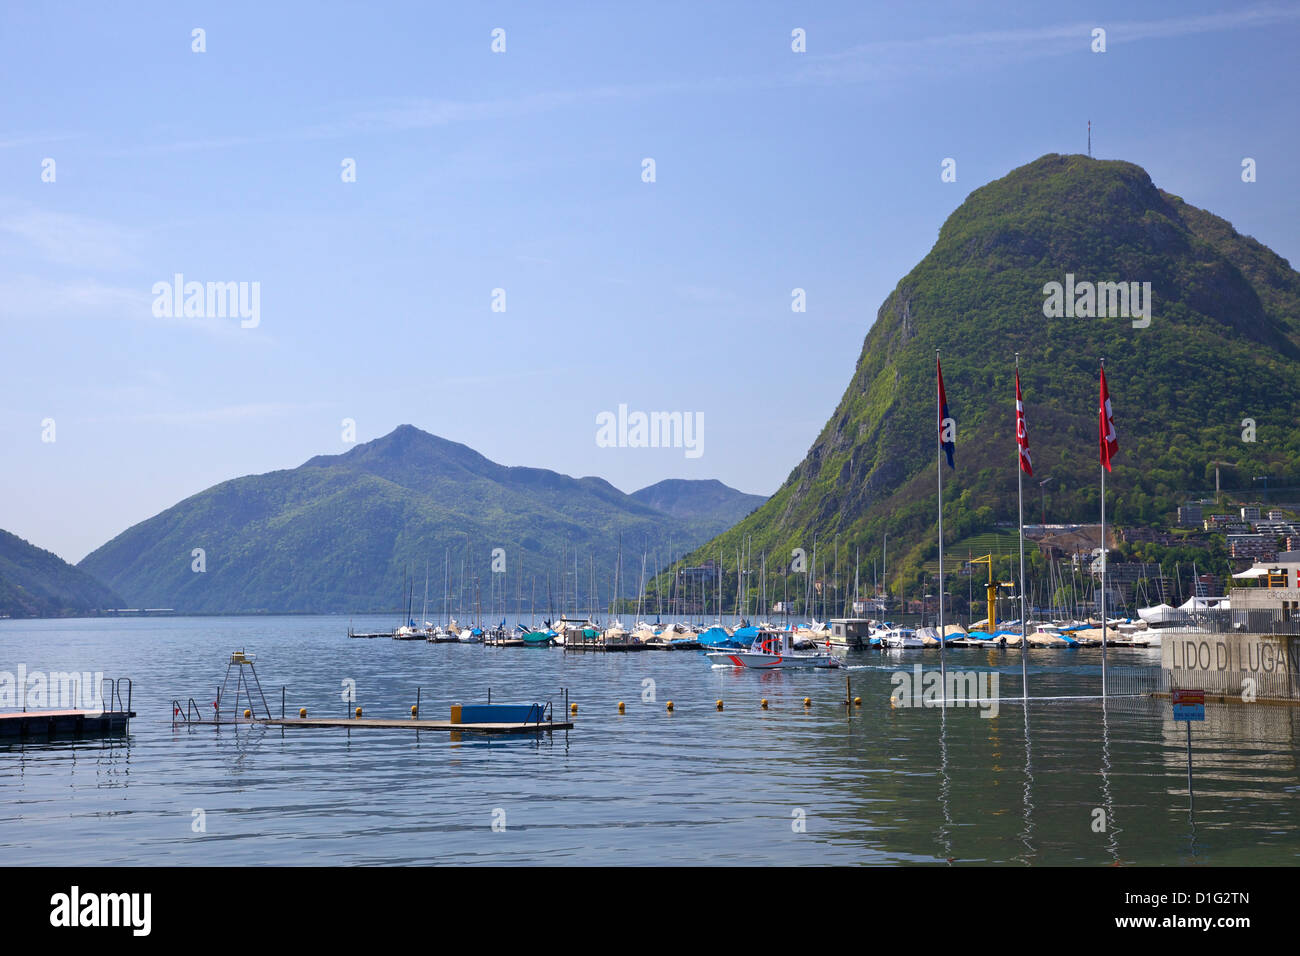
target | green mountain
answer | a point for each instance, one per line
(340, 533)
(1221, 347)
(709, 501)
(38, 583)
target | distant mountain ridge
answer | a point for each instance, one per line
(698, 499)
(340, 532)
(38, 583)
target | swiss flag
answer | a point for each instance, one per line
(1106, 425)
(1022, 433)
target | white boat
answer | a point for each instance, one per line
(1054, 635)
(900, 637)
(1162, 615)
(616, 633)
(929, 636)
(773, 650)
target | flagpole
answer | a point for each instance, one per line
(1020, 495)
(1104, 437)
(938, 407)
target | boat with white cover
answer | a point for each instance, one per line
(772, 650)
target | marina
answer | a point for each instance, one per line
(641, 783)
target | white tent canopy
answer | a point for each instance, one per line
(1205, 604)
(1160, 614)
(1252, 573)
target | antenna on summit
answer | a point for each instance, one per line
(1090, 139)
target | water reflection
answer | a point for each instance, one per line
(878, 783)
(1026, 835)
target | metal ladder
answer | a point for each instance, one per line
(238, 661)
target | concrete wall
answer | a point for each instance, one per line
(1232, 664)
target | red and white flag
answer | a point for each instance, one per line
(1022, 433)
(1106, 425)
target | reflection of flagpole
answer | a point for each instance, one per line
(1029, 782)
(938, 405)
(945, 785)
(1107, 801)
(1191, 797)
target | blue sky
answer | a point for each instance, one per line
(522, 171)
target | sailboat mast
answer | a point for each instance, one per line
(424, 613)
(640, 590)
(719, 607)
(737, 587)
(857, 570)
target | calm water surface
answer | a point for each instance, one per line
(744, 786)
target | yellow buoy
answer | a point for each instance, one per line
(620, 707)
(302, 711)
(807, 701)
(764, 703)
(857, 701)
(414, 711)
(573, 708)
(247, 714)
(719, 705)
(670, 706)
(358, 711)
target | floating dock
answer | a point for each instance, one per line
(469, 718)
(606, 647)
(53, 723)
(397, 723)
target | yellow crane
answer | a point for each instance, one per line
(991, 590)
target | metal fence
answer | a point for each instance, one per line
(1247, 686)
(1237, 621)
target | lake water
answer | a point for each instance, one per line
(1067, 782)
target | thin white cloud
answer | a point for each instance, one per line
(903, 55)
(871, 62)
(221, 415)
(37, 139)
(27, 298)
(68, 239)
(30, 298)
